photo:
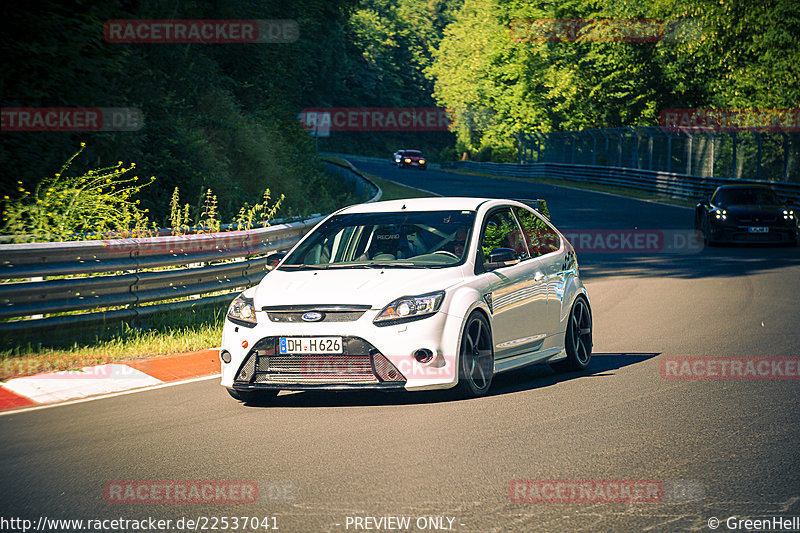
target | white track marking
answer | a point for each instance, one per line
(104, 396)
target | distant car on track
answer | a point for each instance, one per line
(746, 213)
(410, 158)
(428, 293)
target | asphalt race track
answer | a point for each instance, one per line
(718, 448)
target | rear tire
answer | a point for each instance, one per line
(578, 338)
(476, 358)
(253, 396)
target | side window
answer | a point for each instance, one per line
(502, 231)
(541, 238)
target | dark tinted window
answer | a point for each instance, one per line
(541, 238)
(746, 196)
(502, 231)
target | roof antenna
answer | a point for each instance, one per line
(404, 206)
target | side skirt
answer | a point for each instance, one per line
(518, 361)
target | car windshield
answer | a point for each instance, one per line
(426, 239)
(415, 153)
(746, 196)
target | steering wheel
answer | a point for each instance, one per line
(445, 252)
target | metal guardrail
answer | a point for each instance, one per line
(210, 263)
(665, 183)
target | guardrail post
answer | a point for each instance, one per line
(785, 156)
(606, 158)
(669, 152)
(688, 152)
(635, 155)
(713, 141)
(758, 156)
(594, 147)
(572, 138)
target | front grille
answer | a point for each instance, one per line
(329, 316)
(309, 369)
(760, 220)
(356, 365)
(330, 313)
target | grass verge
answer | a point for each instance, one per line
(391, 190)
(34, 352)
(395, 191)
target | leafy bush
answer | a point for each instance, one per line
(100, 202)
(87, 205)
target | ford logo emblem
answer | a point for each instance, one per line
(312, 316)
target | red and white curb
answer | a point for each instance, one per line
(90, 381)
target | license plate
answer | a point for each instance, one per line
(758, 229)
(310, 345)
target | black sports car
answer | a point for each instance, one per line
(746, 213)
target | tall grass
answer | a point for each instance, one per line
(102, 202)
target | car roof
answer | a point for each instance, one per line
(437, 203)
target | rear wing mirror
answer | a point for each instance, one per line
(499, 258)
(274, 258)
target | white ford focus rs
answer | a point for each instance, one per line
(429, 293)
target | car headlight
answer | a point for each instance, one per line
(410, 308)
(421, 161)
(720, 214)
(242, 312)
(788, 214)
(408, 161)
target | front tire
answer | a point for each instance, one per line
(253, 396)
(476, 358)
(578, 338)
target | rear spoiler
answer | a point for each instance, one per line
(539, 204)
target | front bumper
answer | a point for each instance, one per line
(742, 234)
(372, 358)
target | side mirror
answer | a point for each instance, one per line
(499, 258)
(274, 258)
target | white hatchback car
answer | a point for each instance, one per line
(429, 293)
